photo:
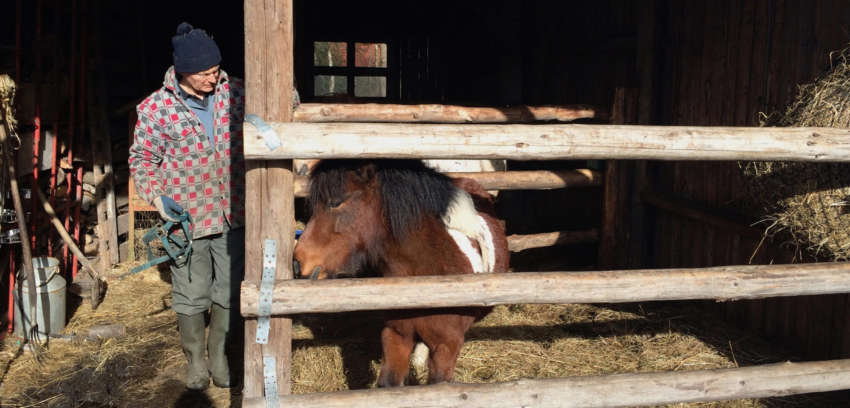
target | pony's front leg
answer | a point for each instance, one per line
(395, 365)
(442, 361)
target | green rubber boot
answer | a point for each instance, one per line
(217, 346)
(192, 339)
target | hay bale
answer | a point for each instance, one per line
(808, 200)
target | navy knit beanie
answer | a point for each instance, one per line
(194, 50)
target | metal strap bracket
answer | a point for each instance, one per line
(270, 381)
(266, 288)
(268, 134)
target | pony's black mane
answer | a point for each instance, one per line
(410, 190)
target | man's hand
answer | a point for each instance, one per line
(168, 209)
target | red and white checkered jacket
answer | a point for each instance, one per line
(171, 155)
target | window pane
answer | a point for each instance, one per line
(330, 85)
(370, 55)
(329, 54)
(370, 86)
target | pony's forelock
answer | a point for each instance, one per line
(327, 182)
(409, 190)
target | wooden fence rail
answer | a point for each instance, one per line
(548, 142)
(722, 283)
(618, 390)
(510, 180)
(521, 242)
(432, 113)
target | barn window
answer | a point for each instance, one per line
(336, 74)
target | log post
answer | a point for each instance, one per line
(101, 147)
(269, 184)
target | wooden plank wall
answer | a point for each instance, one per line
(724, 62)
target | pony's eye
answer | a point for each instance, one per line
(335, 203)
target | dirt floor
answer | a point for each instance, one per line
(145, 367)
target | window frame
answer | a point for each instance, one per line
(350, 71)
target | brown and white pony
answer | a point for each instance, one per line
(396, 218)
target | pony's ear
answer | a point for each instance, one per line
(366, 174)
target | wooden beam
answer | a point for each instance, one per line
(548, 142)
(615, 223)
(376, 112)
(701, 212)
(269, 193)
(617, 390)
(509, 180)
(722, 283)
(517, 243)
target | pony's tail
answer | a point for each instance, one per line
(419, 357)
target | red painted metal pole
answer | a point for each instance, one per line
(82, 122)
(52, 191)
(71, 128)
(36, 141)
(77, 221)
(11, 311)
(57, 13)
(18, 7)
(11, 291)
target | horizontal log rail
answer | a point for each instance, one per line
(378, 112)
(548, 142)
(722, 283)
(617, 390)
(517, 242)
(509, 180)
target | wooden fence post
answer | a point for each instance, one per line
(269, 192)
(614, 238)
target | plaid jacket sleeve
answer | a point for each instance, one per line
(146, 156)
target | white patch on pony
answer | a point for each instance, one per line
(466, 247)
(463, 223)
(419, 357)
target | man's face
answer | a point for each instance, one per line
(204, 81)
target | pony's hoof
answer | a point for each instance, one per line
(198, 384)
(388, 381)
(222, 383)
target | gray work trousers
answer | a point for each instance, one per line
(212, 275)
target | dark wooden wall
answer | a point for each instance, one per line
(714, 62)
(724, 62)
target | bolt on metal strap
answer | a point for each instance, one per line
(270, 381)
(268, 134)
(266, 288)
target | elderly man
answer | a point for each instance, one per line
(187, 156)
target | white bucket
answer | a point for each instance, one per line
(51, 293)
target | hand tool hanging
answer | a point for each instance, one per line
(7, 97)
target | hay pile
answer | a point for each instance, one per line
(342, 351)
(809, 200)
(144, 368)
